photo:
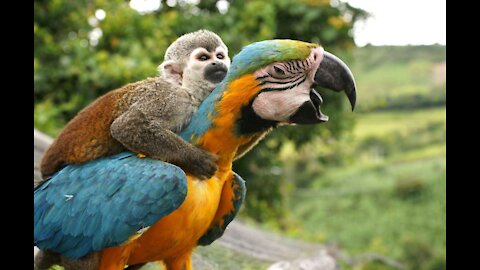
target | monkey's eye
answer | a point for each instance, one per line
(203, 57)
(220, 56)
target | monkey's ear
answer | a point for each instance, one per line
(171, 71)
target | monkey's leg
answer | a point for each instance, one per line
(89, 262)
(44, 259)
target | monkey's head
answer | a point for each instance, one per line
(196, 61)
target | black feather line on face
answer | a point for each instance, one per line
(286, 87)
(249, 122)
(282, 82)
(263, 77)
(289, 67)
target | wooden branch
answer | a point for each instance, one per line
(368, 257)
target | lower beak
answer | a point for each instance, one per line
(309, 112)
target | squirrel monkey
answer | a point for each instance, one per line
(144, 117)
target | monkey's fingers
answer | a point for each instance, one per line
(202, 168)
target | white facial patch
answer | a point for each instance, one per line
(280, 105)
(224, 52)
(194, 63)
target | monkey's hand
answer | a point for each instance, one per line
(200, 163)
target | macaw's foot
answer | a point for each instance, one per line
(183, 262)
(140, 265)
(141, 155)
(135, 267)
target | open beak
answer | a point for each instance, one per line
(332, 74)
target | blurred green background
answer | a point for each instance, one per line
(369, 181)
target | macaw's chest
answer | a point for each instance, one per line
(179, 232)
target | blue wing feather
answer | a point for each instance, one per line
(100, 204)
(217, 230)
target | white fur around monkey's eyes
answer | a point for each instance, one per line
(203, 57)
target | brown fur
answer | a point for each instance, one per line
(44, 259)
(89, 262)
(142, 117)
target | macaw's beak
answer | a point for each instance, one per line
(335, 75)
(332, 74)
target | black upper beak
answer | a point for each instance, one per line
(334, 74)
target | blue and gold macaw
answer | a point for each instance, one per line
(133, 210)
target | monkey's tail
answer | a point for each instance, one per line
(49, 165)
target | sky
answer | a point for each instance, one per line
(401, 22)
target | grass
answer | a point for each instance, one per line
(398, 121)
(400, 135)
(400, 77)
(385, 209)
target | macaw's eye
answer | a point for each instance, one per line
(220, 56)
(279, 71)
(203, 57)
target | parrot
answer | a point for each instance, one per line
(132, 210)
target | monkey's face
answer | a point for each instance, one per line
(206, 67)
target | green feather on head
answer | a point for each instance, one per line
(263, 53)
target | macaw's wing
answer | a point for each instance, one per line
(233, 196)
(102, 203)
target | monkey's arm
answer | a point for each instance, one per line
(142, 129)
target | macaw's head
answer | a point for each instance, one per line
(275, 81)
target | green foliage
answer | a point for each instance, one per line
(400, 77)
(51, 116)
(375, 56)
(410, 187)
